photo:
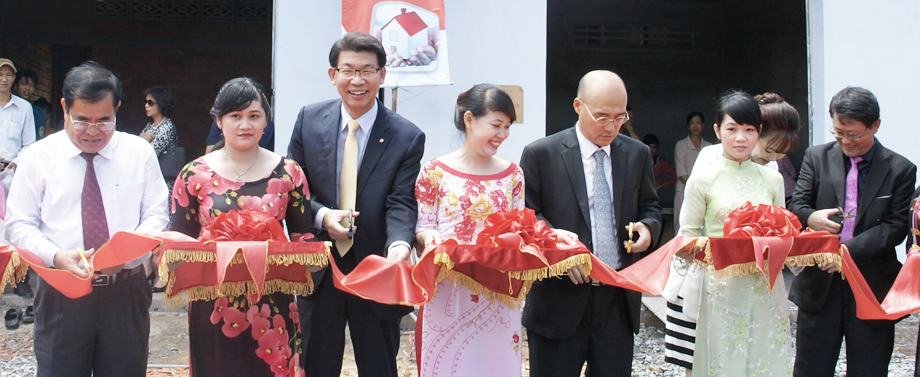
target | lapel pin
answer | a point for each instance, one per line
(381, 140)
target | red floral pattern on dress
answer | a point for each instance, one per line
(259, 319)
(461, 213)
(456, 205)
(204, 195)
(234, 322)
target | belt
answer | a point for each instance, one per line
(595, 283)
(100, 280)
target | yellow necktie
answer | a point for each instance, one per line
(348, 181)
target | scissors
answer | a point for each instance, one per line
(848, 214)
(351, 223)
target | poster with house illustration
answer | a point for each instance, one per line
(405, 32)
(411, 31)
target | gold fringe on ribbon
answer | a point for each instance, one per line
(239, 288)
(457, 278)
(319, 260)
(736, 270)
(15, 272)
(173, 255)
(556, 269)
(444, 260)
(527, 276)
(796, 261)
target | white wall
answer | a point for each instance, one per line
(499, 42)
(875, 45)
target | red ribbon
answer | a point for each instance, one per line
(511, 242)
(256, 236)
(123, 247)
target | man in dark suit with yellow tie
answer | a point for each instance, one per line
(589, 184)
(361, 161)
(857, 188)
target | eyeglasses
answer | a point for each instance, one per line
(365, 73)
(603, 121)
(101, 126)
(851, 137)
(150, 103)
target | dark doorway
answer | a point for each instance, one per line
(189, 46)
(676, 56)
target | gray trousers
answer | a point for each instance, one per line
(102, 334)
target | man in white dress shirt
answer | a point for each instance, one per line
(16, 133)
(73, 191)
(16, 120)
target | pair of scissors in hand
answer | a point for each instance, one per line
(847, 214)
(351, 223)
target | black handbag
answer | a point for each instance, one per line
(172, 161)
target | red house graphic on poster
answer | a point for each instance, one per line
(404, 33)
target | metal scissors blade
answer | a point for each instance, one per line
(847, 214)
(351, 222)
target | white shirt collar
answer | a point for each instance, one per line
(108, 151)
(587, 146)
(365, 121)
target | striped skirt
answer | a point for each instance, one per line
(679, 336)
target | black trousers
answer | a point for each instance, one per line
(103, 334)
(603, 339)
(819, 335)
(323, 317)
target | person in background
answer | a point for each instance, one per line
(361, 160)
(685, 153)
(24, 86)
(662, 169)
(16, 119)
(159, 105)
(789, 175)
(267, 140)
(572, 178)
(468, 343)
(627, 128)
(857, 188)
(75, 189)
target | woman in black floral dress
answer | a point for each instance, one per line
(240, 175)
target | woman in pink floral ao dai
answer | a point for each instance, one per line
(464, 333)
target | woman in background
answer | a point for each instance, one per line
(660, 168)
(160, 132)
(685, 153)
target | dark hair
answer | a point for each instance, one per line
(741, 107)
(481, 99)
(164, 99)
(781, 122)
(650, 139)
(695, 114)
(236, 95)
(90, 82)
(357, 42)
(26, 74)
(855, 103)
